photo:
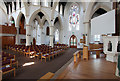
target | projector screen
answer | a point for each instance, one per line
(103, 24)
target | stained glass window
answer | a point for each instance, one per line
(74, 17)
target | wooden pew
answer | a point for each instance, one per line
(8, 70)
(47, 76)
(96, 48)
(85, 53)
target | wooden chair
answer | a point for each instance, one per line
(8, 70)
(45, 55)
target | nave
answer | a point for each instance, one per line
(38, 69)
(59, 39)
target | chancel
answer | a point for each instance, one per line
(59, 39)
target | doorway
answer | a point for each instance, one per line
(73, 41)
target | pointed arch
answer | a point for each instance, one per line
(59, 20)
(19, 17)
(104, 7)
(88, 10)
(35, 13)
(73, 41)
(74, 16)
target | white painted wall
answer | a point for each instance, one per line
(21, 37)
(3, 17)
(66, 33)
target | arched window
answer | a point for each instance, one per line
(74, 17)
(47, 31)
(73, 41)
(57, 36)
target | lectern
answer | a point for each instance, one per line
(85, 52)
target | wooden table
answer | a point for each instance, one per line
(97, 52)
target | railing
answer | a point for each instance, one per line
(8, 29)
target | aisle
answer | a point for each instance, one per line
(38, 69)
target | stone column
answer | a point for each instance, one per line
(9, 10)
(13, 7)
(28, 35)
(51, 35)
(87, 32)
(17, 35)
(41, 35)
(17, 5)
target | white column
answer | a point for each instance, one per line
(28, 35)
(17, 5)
(51, 35)
(17, 36)
(9, 10)
(13, 7)
(36, 34)
(22, 3)
(41, 35)
(87, 32)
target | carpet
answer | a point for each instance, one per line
(37, 70)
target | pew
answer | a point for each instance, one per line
(47, 76)
(8, 70)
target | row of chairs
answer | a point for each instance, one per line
(8, 62)
(39, 51)
(63, 46)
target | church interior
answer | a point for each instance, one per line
(59, 39)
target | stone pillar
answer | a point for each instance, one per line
(51, 35)
(87, 32)
(28, 35)
(13, 7)
(9, 10)
(17, 5)
(17, 36)
(41, 35)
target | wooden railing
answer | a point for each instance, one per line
(77, 55)
(8, 29)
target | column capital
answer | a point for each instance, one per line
(51, 35)
(86, 22)
(17, 26)
(51, 26)
(28, 25)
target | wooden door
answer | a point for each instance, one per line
(73, 41)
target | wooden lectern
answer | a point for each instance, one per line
(85, 52)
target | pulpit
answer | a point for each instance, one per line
(110, 47)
